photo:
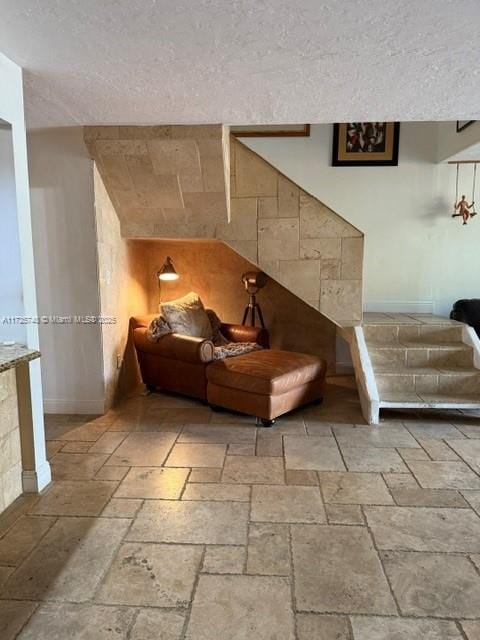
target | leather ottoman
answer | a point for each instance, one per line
(265, 383)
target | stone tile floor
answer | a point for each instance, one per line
(169, 522)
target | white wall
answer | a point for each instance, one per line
(11, 294)
(453, 143)
(12, 111)
(61, 181)
(416, 256)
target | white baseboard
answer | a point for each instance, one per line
(35, 481)
(73, 406)
(400, 306)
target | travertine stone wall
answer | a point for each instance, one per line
(214, 270)
(170, 182)
(294, 237)
(164, 179)
(121, 291)
(10, 453)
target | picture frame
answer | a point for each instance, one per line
(370, 144)
(271, 131)
(463, 124)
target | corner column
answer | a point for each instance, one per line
(36, 473)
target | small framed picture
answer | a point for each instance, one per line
(270, 130)
(373, 144)
(463, 124)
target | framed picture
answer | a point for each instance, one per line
(463, 124)
(373, 144)
(270, 130)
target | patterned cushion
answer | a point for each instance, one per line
(232, 349)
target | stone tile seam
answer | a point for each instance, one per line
(34, 610)
(30, 553)
(460, 460)
(462, 493)
(132, 624)
(109, 605)
(460, 457)
(374, 544)
(382, 615)
(181, 610)
(405, 460)
(293, 583)
(476, 567)
(460, 630)
(192, 595)
(340, 452)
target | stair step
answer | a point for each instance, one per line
(385, 317)
(411, 400)
(389, 369)
(436, 333)
(421, 354)
(432, 382)
(421, 362)
(420, 344)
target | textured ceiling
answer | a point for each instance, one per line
(248, 61)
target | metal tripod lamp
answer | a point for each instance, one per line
(253, 281)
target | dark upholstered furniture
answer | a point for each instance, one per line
(467, 311)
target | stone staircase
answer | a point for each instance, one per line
(422, 361)
(197, 182)
(194, 182)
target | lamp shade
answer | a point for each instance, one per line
(256, 279)
(167, 272)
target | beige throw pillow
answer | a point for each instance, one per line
(187, 316)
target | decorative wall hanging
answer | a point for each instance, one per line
(373, 144)
(461, 208)
(463, 124)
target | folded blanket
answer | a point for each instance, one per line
(158, 328)
(232, 349)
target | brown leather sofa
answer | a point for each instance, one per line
(178, 363)
(265, 383)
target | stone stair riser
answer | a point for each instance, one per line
(430, 333)
(413, 357)
(395, 357)
(429, 383)
(425, 333)
(439, 358)
(380, 334)
(459, 384)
